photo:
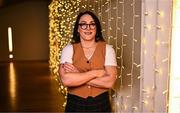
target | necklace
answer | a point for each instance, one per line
(88, 51)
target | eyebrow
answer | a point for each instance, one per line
(86, 22)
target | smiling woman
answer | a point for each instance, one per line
(91, 70)
(120, 22)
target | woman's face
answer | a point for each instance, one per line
(87, 28)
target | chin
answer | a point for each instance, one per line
(89, 39)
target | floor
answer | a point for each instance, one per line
(28, 87)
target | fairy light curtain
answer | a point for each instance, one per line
(155, 55)
(62, 15)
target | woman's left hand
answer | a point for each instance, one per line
(68, 67)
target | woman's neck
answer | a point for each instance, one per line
(88, 44)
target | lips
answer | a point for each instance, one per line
(87, 33)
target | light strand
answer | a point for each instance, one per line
(62, 16)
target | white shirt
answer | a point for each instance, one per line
(110, 57)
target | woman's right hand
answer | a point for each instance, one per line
(69, 68)
(98, 73)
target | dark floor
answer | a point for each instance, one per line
(28, 87)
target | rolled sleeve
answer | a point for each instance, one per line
(67, 54)
(110, 58)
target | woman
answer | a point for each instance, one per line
(88, 67)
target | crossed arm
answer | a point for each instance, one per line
(71, 77)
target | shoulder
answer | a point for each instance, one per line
(67, 53)
(68, 47)
(109, 48)
(110, 58)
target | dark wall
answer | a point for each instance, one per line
(29, 22)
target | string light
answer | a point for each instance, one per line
(165, 60)
(62, 15)
(174, 95)
(154, 48)
(139, 77)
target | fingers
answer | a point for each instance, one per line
(69, 67)
(98, 73)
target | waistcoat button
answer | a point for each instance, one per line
(89, 87)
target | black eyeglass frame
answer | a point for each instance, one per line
(91, 26)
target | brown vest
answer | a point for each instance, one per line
(83, 64)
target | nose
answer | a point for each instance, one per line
(88, 27)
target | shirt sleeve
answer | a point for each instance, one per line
(67, 54)
(110, 57)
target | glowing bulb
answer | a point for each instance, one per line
(146, 13)
(145, 52)
(157, 42)
(11, 56)
(145, 102)
(135, 108)
(144, 41)
(164, 92)
(138, 77)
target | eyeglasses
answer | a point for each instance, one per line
(85, 26)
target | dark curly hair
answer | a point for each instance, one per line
(98, 36)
